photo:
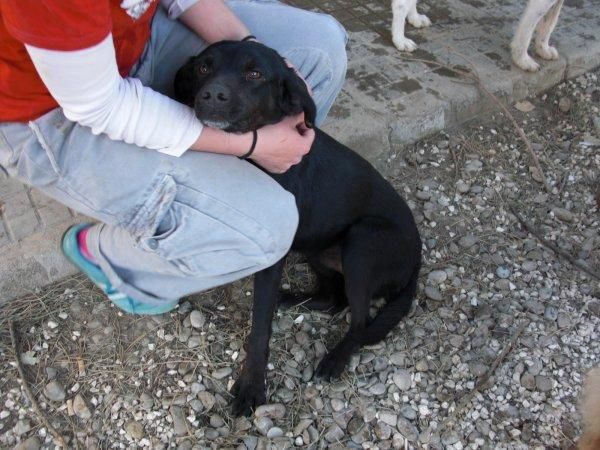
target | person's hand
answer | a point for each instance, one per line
(282, 145)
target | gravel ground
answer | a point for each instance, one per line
(492, 356)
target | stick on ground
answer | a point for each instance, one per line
(34, 404)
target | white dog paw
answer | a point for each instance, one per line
(404, 44)
(546, 51)
(419, 21)
(525, 62)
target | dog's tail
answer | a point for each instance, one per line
(397, 306)
(590, 412)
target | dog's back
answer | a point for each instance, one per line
(590, 411)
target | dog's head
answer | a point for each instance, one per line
(242, 86)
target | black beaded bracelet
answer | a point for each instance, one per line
(252, 147)
(247, 38)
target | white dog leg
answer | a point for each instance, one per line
(543, 31)
(400, 10)
(535, 10)
(415, 19)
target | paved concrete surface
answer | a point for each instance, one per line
(389, 98)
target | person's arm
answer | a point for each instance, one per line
(212, 20)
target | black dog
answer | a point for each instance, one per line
(358, 234)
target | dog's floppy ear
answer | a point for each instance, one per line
(186, 83)
(295, 98)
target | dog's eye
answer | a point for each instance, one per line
(253, 75)
(203, 69)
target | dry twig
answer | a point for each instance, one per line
(34, 404)
(485, 378)
(535, 232)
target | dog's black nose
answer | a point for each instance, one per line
(215, 92)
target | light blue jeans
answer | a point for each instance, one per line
(171, 226)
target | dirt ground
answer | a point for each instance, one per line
(492, 355)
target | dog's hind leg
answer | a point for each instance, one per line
(400, 10)
(329, 295)
(535, 10)
(544, 30)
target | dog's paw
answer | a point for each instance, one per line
(248, 395)
(332, 365)
(526, 62)
(419, 21)
(404, 44)
(546, 51)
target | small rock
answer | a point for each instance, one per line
(563, 214)
(197, 319)
(473, 165)
(378, 389)
(222, 373)
(462, 186)
(216, 421)
(134, 429)
(337, 404)
(22, 427)
(564, 104)
(551, 313)
(450, 437)
(179, 421)
(563, 321)
(401, 378)
(503, 272)
(31, 443)
(525, 106)
(422, 365)
(263, 424)
(543, 383)
(407, 429)
(334, 433)
(207, 399)
(528, 381)
(408, 412)
(390, 418)
(80, 408)
(433, 293)
(437, 276)
(147, 401)
(399, 359)
(274, 432)
(273, 411)
(54, 391)
(468, 241)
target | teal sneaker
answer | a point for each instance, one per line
(70, 249)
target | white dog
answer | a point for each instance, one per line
(540, 15)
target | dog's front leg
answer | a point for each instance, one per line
(249, 389)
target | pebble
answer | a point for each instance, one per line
(433, 293)
(528, 381)
(274, 432)
(387, 417)
(450, 437)
(503, 272)
(468, 241)
(398, 359)
(334, 433)
(564, 104)
(134, 429)
(401, 378)
(407, 429)
(462, 186)
(54, 391)
(422, 365)
(437, 276)
(21, 427)
(197, 319)
(216, 421)
(32, 443)
(408, 412)
(543, 383)
(378, 389)
(551, 313)
(263, 424)
(272, 410)
(563, 214)
(179, 421)
(81, 408)
(474, 165)
(207, 399)
(222, 373)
